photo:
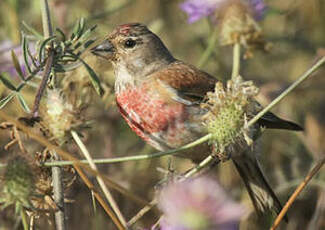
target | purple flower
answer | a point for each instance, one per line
(196, 205)
(197, 9)
(258, 8)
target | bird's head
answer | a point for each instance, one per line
(134, 48)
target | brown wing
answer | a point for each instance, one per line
(189, 85)
(188, 82)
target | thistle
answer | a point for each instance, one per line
(228, 110)
(18, 184)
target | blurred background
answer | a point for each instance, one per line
(296, 31)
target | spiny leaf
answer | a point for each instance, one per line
(23, 103)
(17, 65)
(6, 99)
(7, 82)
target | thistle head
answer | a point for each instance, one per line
(228, 109)
(18, 183)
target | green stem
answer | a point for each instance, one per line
(134, 158)
(46, 19)
(209, 50)
(287, 91)
(24, 218)
(200, 166)
(236, 61)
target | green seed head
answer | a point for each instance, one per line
(18, 183)
(227, 111)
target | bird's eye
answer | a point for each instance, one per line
(129, 43)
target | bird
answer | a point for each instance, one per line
(159, 97)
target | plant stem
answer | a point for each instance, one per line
(287, 91)
(100, 181)
(58, 190)
(47, 32)
(46, 19)
(298, 190)
(24, 218)
(200, 166)
(236, 61)
(134, 158)
(58, 194)
(209, 50)
(46, 75)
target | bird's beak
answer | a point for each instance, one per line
(105, 49)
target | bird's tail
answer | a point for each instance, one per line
(259, 190)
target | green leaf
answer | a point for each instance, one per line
(7, 82)
(32, 31)
(81, 27)
(94, 79)
(61, 33)
(88, 43)
(86, 34)
(42, 47)
(23, 103)
(6, 99)
(26, 53)
(17, 65)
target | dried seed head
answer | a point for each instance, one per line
(226, 117)
(18, 183)
(238, 25)
(59, 114)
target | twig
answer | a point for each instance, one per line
(142, 212)
(294, 196)
(101, 183)
(45, 78)
(236, 61)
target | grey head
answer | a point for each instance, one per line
(134, 50)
